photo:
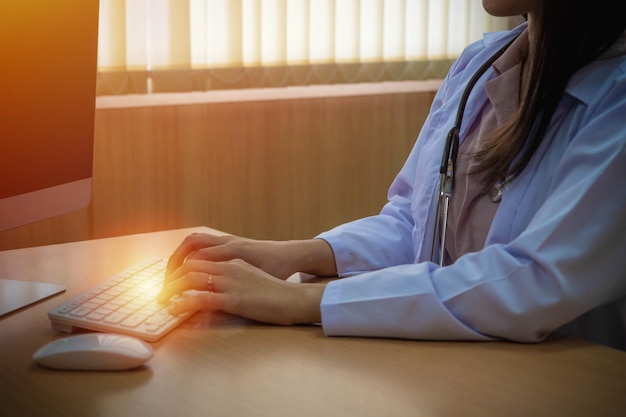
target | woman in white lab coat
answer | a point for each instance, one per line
(534, 236)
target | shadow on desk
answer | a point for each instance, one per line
(58, 393)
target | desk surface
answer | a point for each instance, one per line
(224, 366)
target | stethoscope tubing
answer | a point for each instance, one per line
(448, 162)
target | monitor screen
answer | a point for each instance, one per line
(47, 107)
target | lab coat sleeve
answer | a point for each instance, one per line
(379, 241)
(568, 260)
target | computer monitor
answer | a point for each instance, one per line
(48, 58)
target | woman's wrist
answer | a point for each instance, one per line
(307, 302)
(313, 256)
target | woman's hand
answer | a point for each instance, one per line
(265, 255)
(278, 259)
(239, 288)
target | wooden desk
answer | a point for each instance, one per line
(221, 366)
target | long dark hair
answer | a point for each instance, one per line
(567, 35)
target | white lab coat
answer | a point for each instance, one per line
(555, 251)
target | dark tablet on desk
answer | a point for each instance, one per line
(15, 295)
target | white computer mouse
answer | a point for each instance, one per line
(94, 352)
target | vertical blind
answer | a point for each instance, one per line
(184, 45)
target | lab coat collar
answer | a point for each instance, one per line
(590, 82)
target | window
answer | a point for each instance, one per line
(198, 45)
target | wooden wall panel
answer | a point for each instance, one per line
(283, 169)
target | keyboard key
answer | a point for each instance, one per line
(134, 320)
(80, 312)
(115, 318)
(96, 316)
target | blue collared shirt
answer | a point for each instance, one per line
(555, 254)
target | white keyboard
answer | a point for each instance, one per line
(123, 304)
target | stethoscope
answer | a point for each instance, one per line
(448, 164)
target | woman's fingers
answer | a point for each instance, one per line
(192, 275)
(203, 301)
(193, 243)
